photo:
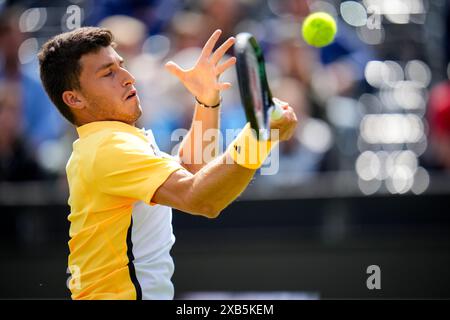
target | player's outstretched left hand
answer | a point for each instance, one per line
(202, 80)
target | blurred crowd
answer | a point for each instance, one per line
(375, 101)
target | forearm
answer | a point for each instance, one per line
(202, 136)
(219, 183)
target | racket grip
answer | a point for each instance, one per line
(276, 111)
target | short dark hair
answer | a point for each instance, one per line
(59, 61)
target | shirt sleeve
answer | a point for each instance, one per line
(126, 166)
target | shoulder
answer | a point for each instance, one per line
(118, 142)
(119, 147)
(108, 149)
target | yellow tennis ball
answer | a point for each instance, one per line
(319, 29)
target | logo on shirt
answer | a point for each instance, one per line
(152, 142)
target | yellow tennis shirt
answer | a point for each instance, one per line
(119, 241)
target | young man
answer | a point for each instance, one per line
(122, 188)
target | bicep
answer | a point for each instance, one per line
(175, 191)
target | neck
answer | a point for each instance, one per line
(82, 123)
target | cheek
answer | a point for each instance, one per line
(104, 97)
(109, 88)
(105, 93)
(101, 104)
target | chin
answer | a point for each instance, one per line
(133, 115)
(138, 113)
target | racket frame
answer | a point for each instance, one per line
(246, 41)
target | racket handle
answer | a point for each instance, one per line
(276, 111)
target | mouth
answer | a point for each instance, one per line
(131, 94)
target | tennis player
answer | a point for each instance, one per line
(122, 188)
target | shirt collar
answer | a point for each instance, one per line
(95, 126)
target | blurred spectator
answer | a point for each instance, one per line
(438, 112)
(223, 14)
(129, 34)
(16, 160)
(188, 30)
(40, 120)
(155, 14)
(301, 156)
(439, 121)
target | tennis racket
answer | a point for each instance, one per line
(259, 105)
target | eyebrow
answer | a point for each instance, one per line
(107, 65)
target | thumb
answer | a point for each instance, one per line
(174, 69)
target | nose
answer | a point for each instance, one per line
(128, 78)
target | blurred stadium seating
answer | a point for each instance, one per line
(364, 182)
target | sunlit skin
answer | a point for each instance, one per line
(105, 89)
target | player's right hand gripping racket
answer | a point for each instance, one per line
(259, 105)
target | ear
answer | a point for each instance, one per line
(73, 99)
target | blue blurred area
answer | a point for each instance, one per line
(347, 47)
(156, 14)
(41, 120)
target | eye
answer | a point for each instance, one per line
(108, 74)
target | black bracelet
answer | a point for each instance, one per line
(206, 106)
